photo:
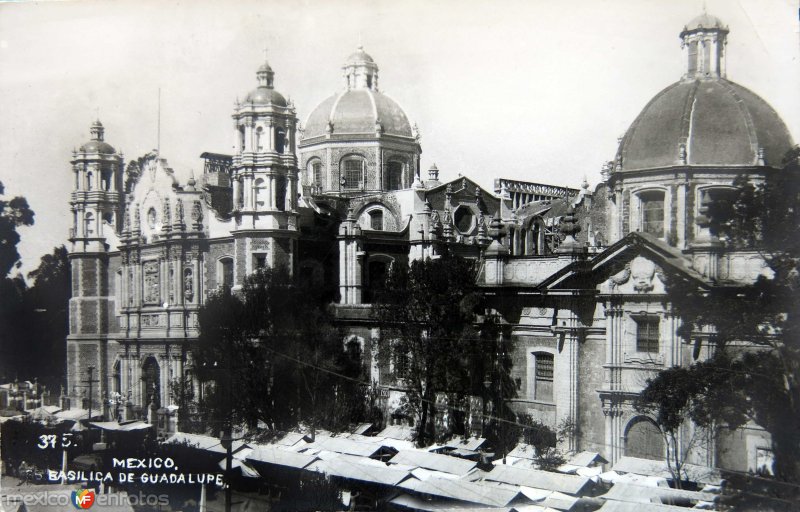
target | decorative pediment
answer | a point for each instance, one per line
(637, 264)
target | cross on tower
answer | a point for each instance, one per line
(265, 53)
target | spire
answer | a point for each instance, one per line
(703, 40)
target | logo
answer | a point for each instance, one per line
(83, 499)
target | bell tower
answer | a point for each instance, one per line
(264, 173)
(95, 206)
(95, 201)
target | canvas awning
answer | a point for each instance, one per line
(113, 426)
(434, 461)
(569, 484)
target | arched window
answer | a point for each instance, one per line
(89, 180)
(376, 219)
(464, 219)
(652, 212)
(542, 370)
(225, 272)
(280, 193)
(643, 439)
(280, 139)
(105, 178)
(353, 173)
(259, 139)
(88, 220)
(377, 270)
(260, 194)
(720, 204)
(242, 139)
(692, 57)
(314, 172)
(394, 175)
(353, 349)
(151, 382)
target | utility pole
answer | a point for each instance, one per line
(89, 381)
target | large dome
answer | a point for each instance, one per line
(357, 111)
(717, 122)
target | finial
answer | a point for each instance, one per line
(585, 184)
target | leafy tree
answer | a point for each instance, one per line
(431, 338)
(14, 213)
(754, 330)
(273, 356)
(47, 301)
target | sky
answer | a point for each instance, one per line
(530, 90)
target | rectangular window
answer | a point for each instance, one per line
(543, 377)
(647, 334)
(353, 174)
(260, 261)
(376, 220)
(317, 170)
(653, 213)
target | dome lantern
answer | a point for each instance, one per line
(265, 76)
(96, 131)
(703, 40)
(360, 71)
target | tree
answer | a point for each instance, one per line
(14, 213)
(754, 330)
(47, 301)
(431, 339)
(272, 355)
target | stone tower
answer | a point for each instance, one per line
(95, 207)
(264, 174)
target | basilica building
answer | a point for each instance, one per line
(579, 276)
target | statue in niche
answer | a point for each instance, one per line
(188, 284)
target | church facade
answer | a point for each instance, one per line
(579, 276)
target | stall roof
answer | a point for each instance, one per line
(624, 506)
(570, 484)
(416, 503)
(346, 467)
(472, 492)
(644, 494)
(434, 461)
(471, 443)
(113, 426)
(280, 457)
(398, 432)
(659, 468)
(348, 446)
(290, 439)
(586, 459)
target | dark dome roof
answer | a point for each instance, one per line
(720, 123)
(263, 95)
(97, 146)
(356, 111)
(704, 21)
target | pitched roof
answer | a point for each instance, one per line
(472, 492)
(280, 457)
(569, 484)
(436, 462)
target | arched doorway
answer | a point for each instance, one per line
(151, 382)
(643, 439)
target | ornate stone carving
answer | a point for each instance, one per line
(620, 277)
(642, 271)
(152, 285)
(197, 215)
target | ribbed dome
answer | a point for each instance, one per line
(359, 56)
(356, 111)
(718, 122)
